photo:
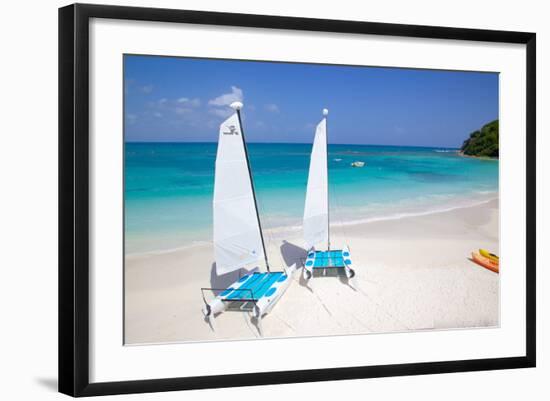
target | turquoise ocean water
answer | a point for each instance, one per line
(169, 186)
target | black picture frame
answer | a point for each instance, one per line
(74, 198)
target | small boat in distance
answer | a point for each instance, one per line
(316, 214)
(357, 164)
(238, 238)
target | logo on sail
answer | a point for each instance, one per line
(232, 130)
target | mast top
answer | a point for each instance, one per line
(325, 112)
(236, 106)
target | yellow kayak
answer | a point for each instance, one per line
(488, 255)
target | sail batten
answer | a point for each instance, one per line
(316, 212)
(237, 235)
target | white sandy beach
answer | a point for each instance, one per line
(412, 273)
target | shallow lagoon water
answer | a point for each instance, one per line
(169, 186)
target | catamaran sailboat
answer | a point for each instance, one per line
(316, 214)
(238, 237)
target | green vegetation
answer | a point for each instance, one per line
(483, 142)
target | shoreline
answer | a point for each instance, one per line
(413, 273)
(462, 154)
(292, 229)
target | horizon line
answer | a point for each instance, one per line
(302, 143)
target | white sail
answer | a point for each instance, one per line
(237, 238)
(316, 231)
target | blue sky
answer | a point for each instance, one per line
(184, 99)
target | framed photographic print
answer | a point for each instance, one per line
(251, 199)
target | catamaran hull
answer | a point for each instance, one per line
(266, 304)
(239, 292)
(213, 308)
(308, 272)
(310, 264)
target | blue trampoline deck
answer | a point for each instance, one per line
(253, 287)
(328, 259)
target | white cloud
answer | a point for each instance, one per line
(222, 112)
(226, 99)
(182, 110)
(272, 108)
(147, 89)
(182, 106)
(196, 102)
(219, 105)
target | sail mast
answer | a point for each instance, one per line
(325, 114)
(237, 107)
